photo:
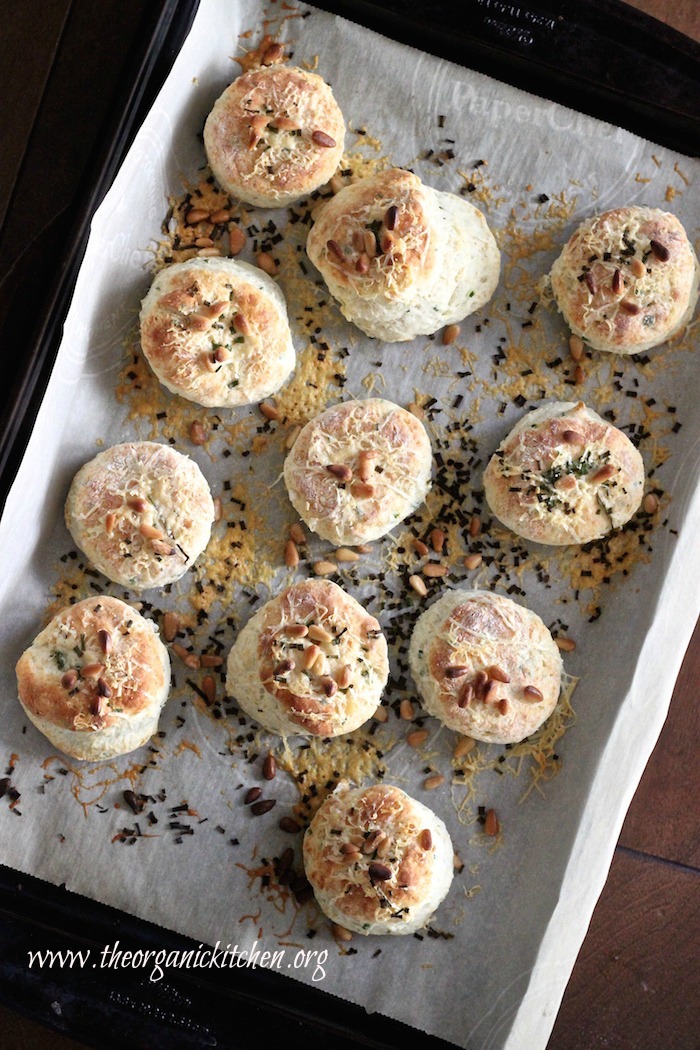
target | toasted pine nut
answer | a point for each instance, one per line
(406, 710)
(362, 490)
(273, 54)
(417, 737)
(502, 705)
(218, 508)
(343, 677)
(418, 585)
(296, 630)
(204, 242)
(325, 568)
(434, 781)
(381, 714)
(449, 334)
(362, 264)
(576, 347)
(364, 465)
(637, 267)
(604, 473)
(345, 554)
(567, 645)
(209, 688)
(269, 410)
(309, 656)
(420, 547)
(474, 525)
(437, 540)
(267, 264)
(416, 410)
(425, 839)
(463, 746)
(188, 658)
(340, 933)
(110, 521)
(285, 124)
(291, 554)
(335, 250)
(211, 660)
(91, 670)
(138, 503)
(171, 625)
(208, 252)
(435, 569)
(196, 215)
(297, 534)
(320, 634)
(236, 240)
(320, 138)
(491, 825)
(498, 674)
(650, 504)
(472, 561)
(269, 769)
(151, 533)
(198, 434)
(217, 217)
(531, 692)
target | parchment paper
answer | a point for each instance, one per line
(517, 914)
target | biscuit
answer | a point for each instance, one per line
(141, 512)
(564, 475)
(402, 259)
(310, 662)
(94, 681)
(215, 331)
(274, 135)
(378, 860)
(485, 666)
(627, 280)
(358, 469)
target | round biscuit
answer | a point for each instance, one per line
(378, 860)
(564, 475)
(141, 512)
(485, 666)
(274, 135)
(358, 469)
(401, 258)
(215, 331)
(627, 280)
(310, 662)
(95, 679)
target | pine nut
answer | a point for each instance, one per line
(329, 686)
(434, 570)
(434, 781)
(218, 509)
(204, 242)
(406, 710)
(363, 548)
(425, 839)
(252, 795)
(659, 251)
(365, 468)
(579, 375)
(285, 124)
(463, 746)
(650, 504)
(211, 660)
(264, 806)
(268, 410)
(456, 671)
(151, 533)
(531, 692)
(418, 585)
(340, 471)
(416, 410)
(269, 769)
(343, 677)
(449, 334)
(138, 503)
(69, 679)
(196, 215)
(291, 437)
(188, 658)
(502, 705)
(267, 264)
(498, 674)
(297, 534)
(345, 554)
(110, 522)
(91, 670)
(291, 554)
(420, 548)
(362, 490)
(296, 630)
(171, 625)
(567, 645)
(491, 825)
(309, 657)
(629, 307)
(325, 568)
(217, 217)
(273, 54)
(289, 825)
(437, 540)
(604, 473)
(209, 688)
(320, 138)
(381, 714)
(362, 264)
(236, 240)
(576, 347)
(466, 696)
(198, 434)
(474, 525)
(320, 634)
(105, 640)
(617, 283)
(340, 933)
(638, 268)
(472, 561)
(207, 253)
(417, 737)
(572, 438)
(334, 249)
(372, 841)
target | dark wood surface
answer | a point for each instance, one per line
(635, 984)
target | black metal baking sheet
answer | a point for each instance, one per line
(602, 58)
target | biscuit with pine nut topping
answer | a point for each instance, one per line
(215, 331)
(627, 280)
(402, 259)
(274, 135)
(564, 475)
(485, 666)
(141, 512)
(95, 679)
(358, 469)
(378, 860)
(310, 662)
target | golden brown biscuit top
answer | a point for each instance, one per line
(371, 853)
(625, 276)
(375, 235)
(317, 644)
(96, 663)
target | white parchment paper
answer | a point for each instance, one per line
(517, 914)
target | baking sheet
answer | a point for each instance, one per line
(517, 913)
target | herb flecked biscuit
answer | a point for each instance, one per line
(358, 469)
(274, 135)
(141, 512)
(378, 860)
(564, 475)
(402, 259)
(627, 280)
(94, 681)
(310, 662)
(485, 666)
(215, 331)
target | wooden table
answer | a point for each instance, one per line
(635, 984)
